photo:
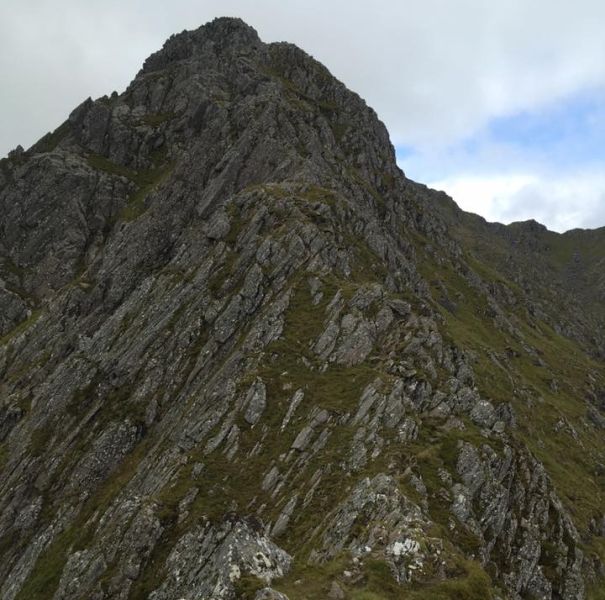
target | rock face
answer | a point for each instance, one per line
(243, 356)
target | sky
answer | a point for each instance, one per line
(500, 103)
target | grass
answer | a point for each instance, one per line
(135, 205)
(471, 584)
(224, 483)
(46, 575)
(101, 163)
(379, 202)
(466, 581)
(247, 586)
(146, 181)
(336, 389)
(596, 591)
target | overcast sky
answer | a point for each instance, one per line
(501, 103)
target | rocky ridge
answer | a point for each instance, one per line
(244, 356)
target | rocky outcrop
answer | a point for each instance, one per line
(242, 353)
(206, 562)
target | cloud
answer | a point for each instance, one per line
(544, 164)
(560, 202)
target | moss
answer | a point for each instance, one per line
(100, 163)
(40, 440)
(147, 182)
(247, 586)
(157, 119)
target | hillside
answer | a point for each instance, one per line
(243, 356)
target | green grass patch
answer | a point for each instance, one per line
(135, 206)
(247, 586)
(101, 163)
(145, 180)
(157, 119)
(472, 583)
(466, 581)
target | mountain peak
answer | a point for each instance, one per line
(221, 35)
(238, 348)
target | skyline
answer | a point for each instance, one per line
(504, 109)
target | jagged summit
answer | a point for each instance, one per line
(222, 35)
(242, 356)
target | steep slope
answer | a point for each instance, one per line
(241, 349)
(557, 272)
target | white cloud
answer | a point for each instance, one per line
(483, 194)
(561, 202)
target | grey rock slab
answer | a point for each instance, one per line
(297, 398)
(208, 561)
(256, 402)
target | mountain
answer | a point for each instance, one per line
(243, 355)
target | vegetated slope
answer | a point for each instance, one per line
(241, 349)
